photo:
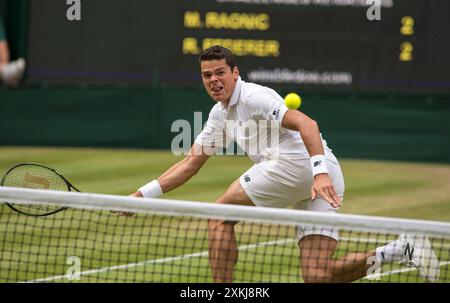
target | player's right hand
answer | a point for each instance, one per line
(137, 194)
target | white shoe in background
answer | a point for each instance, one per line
(12, 73)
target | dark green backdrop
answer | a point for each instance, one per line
(385, 126)
(400, 128)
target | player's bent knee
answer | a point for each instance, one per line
(317, 271)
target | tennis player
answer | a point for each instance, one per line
(303, 174)
(11, 72)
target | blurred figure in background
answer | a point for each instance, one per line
(11, 72)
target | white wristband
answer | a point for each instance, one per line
(151, 190)
(319, 165)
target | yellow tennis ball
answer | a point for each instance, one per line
(292, 101)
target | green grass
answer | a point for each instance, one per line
(37, 248)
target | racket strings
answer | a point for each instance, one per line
(35, 177)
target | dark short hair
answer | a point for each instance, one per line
(218, 52)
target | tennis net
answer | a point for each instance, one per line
(182, 241)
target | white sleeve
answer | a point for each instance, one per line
(213, 134)
(268, 105)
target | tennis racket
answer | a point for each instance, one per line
(37, 176)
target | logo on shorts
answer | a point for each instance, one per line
(317, 163)
(247, 178)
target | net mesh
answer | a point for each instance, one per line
(179, 241)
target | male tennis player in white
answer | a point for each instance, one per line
(303, 174)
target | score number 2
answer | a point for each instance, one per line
(406, 52)
(406, 48)
(407, 28)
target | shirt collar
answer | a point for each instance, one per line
(236, 93)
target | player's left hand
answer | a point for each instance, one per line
(324, 187)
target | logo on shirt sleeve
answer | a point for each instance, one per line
(275, 113)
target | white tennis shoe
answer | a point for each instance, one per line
(418, 252)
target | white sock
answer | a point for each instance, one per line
(390, 253)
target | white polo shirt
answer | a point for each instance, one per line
(253, 120)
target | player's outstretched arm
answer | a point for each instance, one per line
(175, 176)
(309, 131)
(178, 174)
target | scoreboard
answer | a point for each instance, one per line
(320, 45)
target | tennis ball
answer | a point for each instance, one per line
(292, 101)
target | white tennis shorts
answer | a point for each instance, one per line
(286, 183)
